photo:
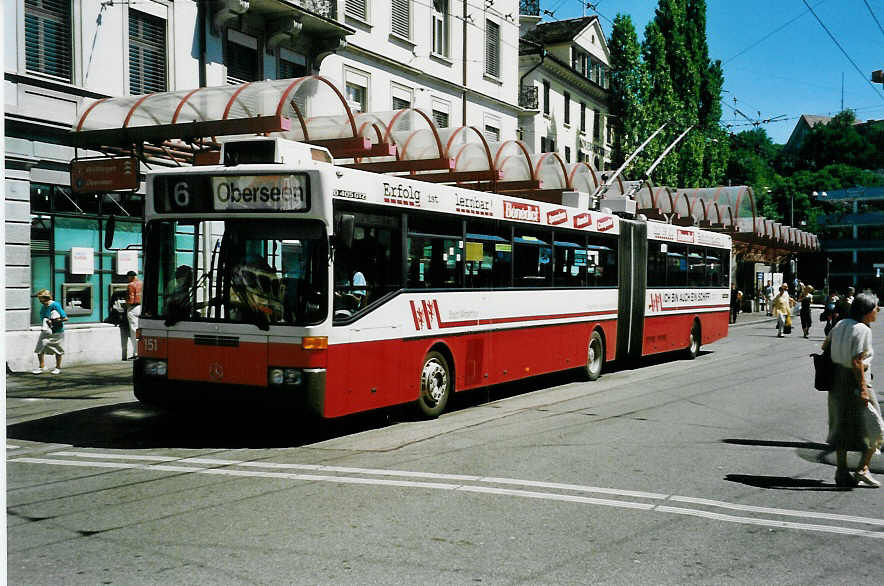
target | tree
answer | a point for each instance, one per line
(839, 141)
(628, 84)
(661, 105)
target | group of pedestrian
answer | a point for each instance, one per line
(53, 316)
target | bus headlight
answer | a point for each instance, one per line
(285, 376)
(155, 368)
(276, 376)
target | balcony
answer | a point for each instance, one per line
(529, 7)
(324, 8)
(528, 98)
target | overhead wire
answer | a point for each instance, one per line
(770, 34)
(849, 58)
(875, 18)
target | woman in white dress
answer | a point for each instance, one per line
(852, 396)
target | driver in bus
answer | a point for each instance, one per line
(178, 302)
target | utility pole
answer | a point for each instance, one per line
(464, 73)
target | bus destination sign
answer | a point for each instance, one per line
(231, 193)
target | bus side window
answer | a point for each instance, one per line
(488, 254)
(602, 262)
(696, 267)
(676, 266)
(571, 260)
(532, 258)
(656, 265)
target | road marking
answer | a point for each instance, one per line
(165, 464)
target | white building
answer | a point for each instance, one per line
(563, 87)
(426, 55)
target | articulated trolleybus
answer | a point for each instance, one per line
(279, 275)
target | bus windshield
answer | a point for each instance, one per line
(236, 271)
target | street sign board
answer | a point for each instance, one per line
(91, 175)
(878, 265)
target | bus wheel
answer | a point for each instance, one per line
(595, 357)
(435, 385)
(144, 395)
(693, 342)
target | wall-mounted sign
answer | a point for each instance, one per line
(127, 260)
(92, 175)
(82, 261)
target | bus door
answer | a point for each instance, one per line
(632, 262)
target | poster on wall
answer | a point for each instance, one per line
(127, 260)
(82, 260)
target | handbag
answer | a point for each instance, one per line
(824, 371)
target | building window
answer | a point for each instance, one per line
(567, 108)
(542, 144)
(147, 53)
(567, 154)
(400, 17)
(582, 117)
(356, 90)
(596, 124)
(291, 64)
(402, 97)
(48, 37)
(440, 119)
(545, 97)
(242, 58)
(440, 27)
(356, 8)
(492, 48)
(492, 133)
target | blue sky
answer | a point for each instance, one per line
(773, 67)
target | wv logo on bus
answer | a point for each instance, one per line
(656, 303)
(425, 314)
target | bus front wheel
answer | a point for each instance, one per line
(435, 385)
(595, 357)
(694, 342)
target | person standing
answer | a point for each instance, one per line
(133, 308)
(768, 295)
(51, 339)
(781, 308)
(852, 396)
(804, 312)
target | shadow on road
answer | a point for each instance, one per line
(782, 482)
(233, 425)
(777, 444)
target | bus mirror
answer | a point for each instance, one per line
(109, 232)
(344, 230)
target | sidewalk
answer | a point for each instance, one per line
(81, 376)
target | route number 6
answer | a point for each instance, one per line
(181, 194)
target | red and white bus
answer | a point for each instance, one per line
(277, 274)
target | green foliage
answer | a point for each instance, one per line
(671, 80)
(839, 141)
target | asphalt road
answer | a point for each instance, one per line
(710, 471)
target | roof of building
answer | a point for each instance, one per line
(853, 193)
(558, 31)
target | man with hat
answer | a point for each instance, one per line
(52, 318)
(133, 308)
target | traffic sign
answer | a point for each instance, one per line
(106, 174)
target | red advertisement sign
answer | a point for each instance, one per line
(526, 212)
(582, 220)
(556, 217)
(605, 224)
(685, 236)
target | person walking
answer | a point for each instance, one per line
(52, 318)
(804, 312)
(736, 300)
(854, 412)
(781, 307)
(829, 311)
(133, 308)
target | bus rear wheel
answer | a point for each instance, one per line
(595, 357)
(694, 342)
(435, 385)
